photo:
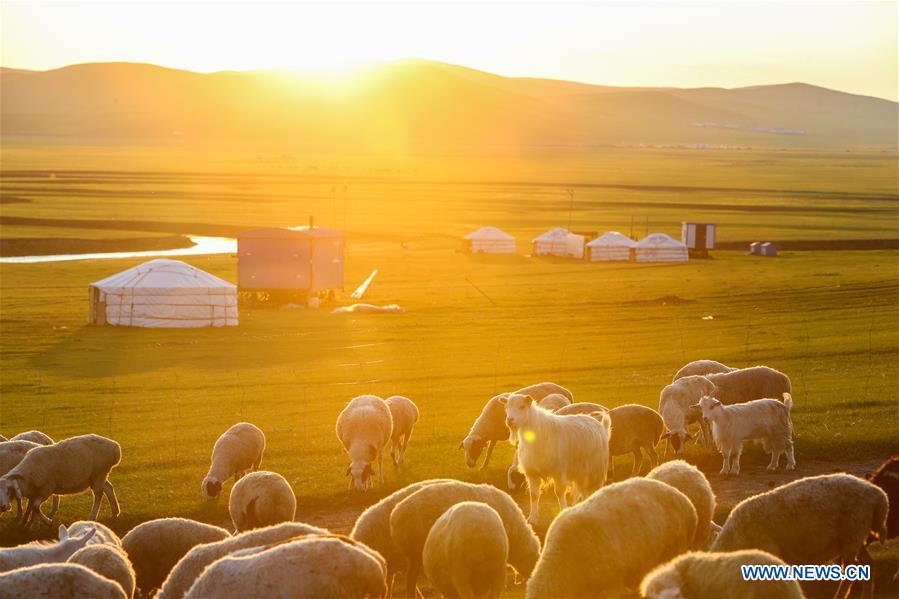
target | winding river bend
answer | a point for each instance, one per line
(202, 245)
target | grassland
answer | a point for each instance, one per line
(613, 333)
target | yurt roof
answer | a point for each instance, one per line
(163, 274)
(554, 234)
(612, 238)
(289, 233)
(488, 233)
(659, 240)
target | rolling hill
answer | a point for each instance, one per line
(418, 104)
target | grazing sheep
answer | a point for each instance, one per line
(35, 437)
(42, 553)
(405, 414)
(702, 368)
(765, 419)
(465, 552)
(70, 466)
(373, 527)
(311, 567)
(11, 453)
(746, 384)
(553, 402)
(237, 450)
(690, 481)
(108, 561)
(812, 520)
(701, 575)
(103, 535)
(489, 429)
(635, 427)
(155, 546)
(674, 406)
(609, 542)
(189, 567)
(581, 407)
(261, 499)
(570, 451)
(540, 390)
(58, 581)
(364, 427)
(887, 478)
(413, 517)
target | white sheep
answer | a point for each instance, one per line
(70, 466)
(465, 552)
(236, 451)
(364, 427)
(675, 403)
(553, 402)
(11, 453)
(372, 528)
(58, 581)
(540, 390)
(155, 546)
(581, 407)
(701, 575)
(311, 567)
(489, 429)
(702, 368)
(413, 517)
(812, 520)
(405, 414)
(35, 437)
(261, 499)
(103, 533)
(189, 567)
(108, 561)
(609, 542)
(571, 451)
(635, 429)
(746, 384)
(690, 481)
(765, 419)
(42, 552)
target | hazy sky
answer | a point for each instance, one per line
(849, 45)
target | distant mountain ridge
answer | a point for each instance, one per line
(414, 104)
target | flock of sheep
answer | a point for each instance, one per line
(653, 534)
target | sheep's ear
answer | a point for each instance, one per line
(667, 435)
(503, 399)
(63, 533)
(528, 400)
(694, 406)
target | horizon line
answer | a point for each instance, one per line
(375, 63)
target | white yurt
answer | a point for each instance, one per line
(489, 240)
(658, 247)
(163, 294)
(610, 246)
(559, 242)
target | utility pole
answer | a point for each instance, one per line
(570, 205)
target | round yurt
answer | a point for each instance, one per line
(659, 247)
(559, 242)
(163, 294)
(610, 246)
(489, 240)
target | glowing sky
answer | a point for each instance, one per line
(851, 46)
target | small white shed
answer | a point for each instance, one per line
(489, 240)
(163, 294)
(560, 242)
(658, 247)
(698, 237)
(610, 246)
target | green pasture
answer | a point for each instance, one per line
(474, 326)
